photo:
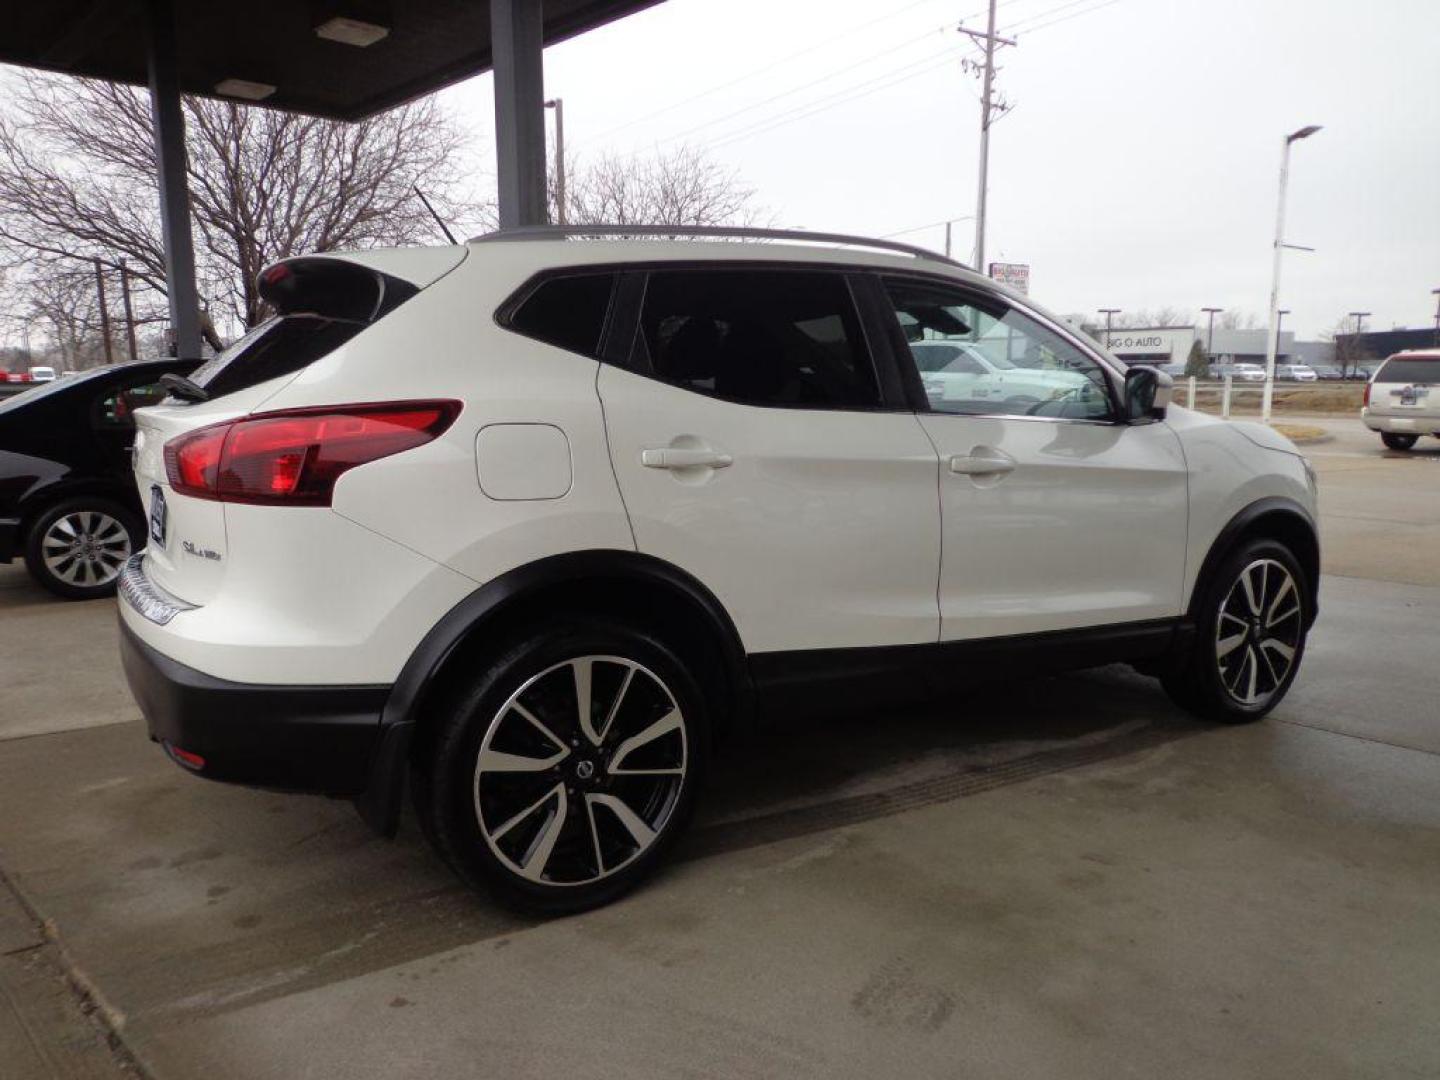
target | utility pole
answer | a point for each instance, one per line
(990, 110)
(558, 104)
(1437, 306)
(1210, 333)
(104, 312)
(1109, 313)
(1436, 294)
(129, 311)
(1280, 246)
(1359, 317)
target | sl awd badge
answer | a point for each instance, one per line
(200, 553)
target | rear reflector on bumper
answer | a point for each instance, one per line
(184, 757)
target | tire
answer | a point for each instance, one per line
(1233, 673)
(78, 547)
(581, 822)
(1398, 442)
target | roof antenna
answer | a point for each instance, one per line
(448, 234)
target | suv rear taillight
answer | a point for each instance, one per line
(1365, 401)
(294, 457)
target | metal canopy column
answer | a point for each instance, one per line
(517, 56)
(169, 129)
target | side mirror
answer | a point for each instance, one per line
(1147, 394)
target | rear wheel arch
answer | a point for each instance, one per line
(1275, 518)
(606, 583)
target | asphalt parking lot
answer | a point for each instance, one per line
(1065, 877)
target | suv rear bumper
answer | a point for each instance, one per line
(1422, 424)
(317, 739)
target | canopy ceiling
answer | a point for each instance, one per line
(430, 44)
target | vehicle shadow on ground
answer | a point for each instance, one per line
(216, 898)
(797, 777)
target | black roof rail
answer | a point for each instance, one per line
(582, 232)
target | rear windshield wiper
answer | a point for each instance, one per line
(183, 388)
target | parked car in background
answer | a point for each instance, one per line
(1241, 372)
(527, 524)
(42, 374)
(1296, 372)
(1402, 401)
(1327, 372)
(68, 503)
(961, 371)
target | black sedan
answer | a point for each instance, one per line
(68, 502)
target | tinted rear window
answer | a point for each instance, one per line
(784, 337)
(281, 346)
(1410, 369)
(567, 311)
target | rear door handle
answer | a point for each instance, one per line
(676, 457)
(982, 462)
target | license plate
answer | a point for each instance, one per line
(158, 515)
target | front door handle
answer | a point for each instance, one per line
(678, 457)
(982, 461)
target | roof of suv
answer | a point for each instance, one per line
(637, 243)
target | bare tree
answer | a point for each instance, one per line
(685, 187)
(1161, 316)
(77, 179)
(1238, 320)
(1350, 354)
(63, 301)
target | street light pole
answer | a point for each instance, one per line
(1210, 334)
(1359, 317)
(1293, 137)
(558, 104)
(1436, 294)
(1109, 313)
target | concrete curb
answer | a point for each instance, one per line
(88, 997)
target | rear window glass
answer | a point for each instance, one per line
(567, 311)
(281, 346)
(1410, 369)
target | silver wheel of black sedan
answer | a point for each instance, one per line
(85, 549)
(580, 770)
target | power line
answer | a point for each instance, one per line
(771, 66)
(803, 86)
(864, 89)
(1072, 15)
(1041, 15)
(922, 228)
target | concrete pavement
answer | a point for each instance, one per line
(1060, 878)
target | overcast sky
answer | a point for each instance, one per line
(1138, 168)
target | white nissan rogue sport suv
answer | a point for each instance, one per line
(526, 525)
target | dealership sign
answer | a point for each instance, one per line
(1151, 344)
(1016, 275)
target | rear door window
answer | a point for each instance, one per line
(761, 337)
(1410, 369)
